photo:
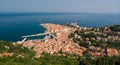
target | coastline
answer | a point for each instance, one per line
(43, 26)
(62, 42)
(59, 42)
(9, 31)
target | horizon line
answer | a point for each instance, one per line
(58, 13)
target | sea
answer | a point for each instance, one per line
(15, 25)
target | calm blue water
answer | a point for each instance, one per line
(13, 25)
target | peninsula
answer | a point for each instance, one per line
(65, 44)
(60, 42)
(72, 39)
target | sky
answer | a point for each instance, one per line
(76, 6)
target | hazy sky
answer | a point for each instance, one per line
(82, 6)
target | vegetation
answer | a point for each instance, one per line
(47, 59)
(89, 36)
(115, 28)
(114, 44)
(24, 56)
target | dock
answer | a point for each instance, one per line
(40, 34)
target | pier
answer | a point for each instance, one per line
(40, 34)
(23, 40)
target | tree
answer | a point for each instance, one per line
(71, 35)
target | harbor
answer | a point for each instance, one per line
(59, 40)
